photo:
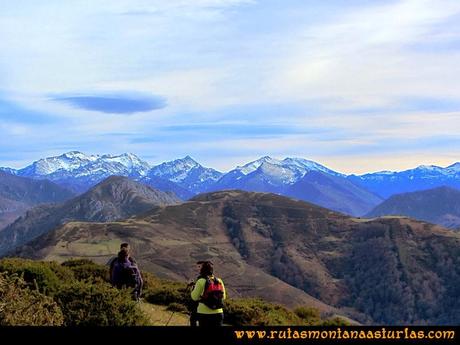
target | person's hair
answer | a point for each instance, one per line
(206, 269)
(124, 245)
(123, 254)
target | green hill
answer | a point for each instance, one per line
(76, 293)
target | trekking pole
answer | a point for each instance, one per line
(172, 314)
(167, 323)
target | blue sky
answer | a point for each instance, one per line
(357, 85)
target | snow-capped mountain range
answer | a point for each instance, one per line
(298, 177)
(387, 183)
(288, 170)
(187, 173)
(78, 164)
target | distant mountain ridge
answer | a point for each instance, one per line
(187, 173)
(114, 198)
(79, 172)
(295, 177)
(387, 183)
(440, 205)
(17, 194)
(300, 179)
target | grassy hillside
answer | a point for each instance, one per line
(380, 271)
(76, 293)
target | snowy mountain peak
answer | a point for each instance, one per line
(428, 167)
(186, 172)
(278, 171)
(129, 160)
(266, 159)
(69, 161)
(294, 168)
(306, 165)
(79, 164)
(76, 155)
(176, 170)
(420, 170)
(454, 167)
(253, 166)
(188, 161)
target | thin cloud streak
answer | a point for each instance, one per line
(114, 103)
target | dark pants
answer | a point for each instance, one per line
(210, 320)
(192, 306)
(138, 288)
(193, 319)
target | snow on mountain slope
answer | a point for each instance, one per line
(78, 164)
(288, 170)
(187, 173)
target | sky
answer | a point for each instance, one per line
(356, 85)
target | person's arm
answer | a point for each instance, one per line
(112, 263)
(134, 263)
(223, 286)
(109, 263)
(114, 276)
(198, 290)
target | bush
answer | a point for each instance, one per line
(20, 306)
(164, 296)
(257, 312)
(84, 269)
(335, 321)
(309, 315)
(166, 292)
(150, 281)
(98, 304)
(46, 277)
(177, 307)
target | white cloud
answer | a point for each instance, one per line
(364, 57)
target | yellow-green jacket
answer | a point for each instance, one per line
(198, 291)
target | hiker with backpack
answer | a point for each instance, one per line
(209, 291)
(191, 304)
(113, 260)
(125, 274)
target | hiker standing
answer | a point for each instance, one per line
(113, 260)
(191, 304)
(209, 291)
(126, 274)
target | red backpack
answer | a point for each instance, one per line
(213, 294)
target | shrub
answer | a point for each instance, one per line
(257, 312)
(20, 306)
(98, 304)
(150, 281)
(164, 296)
(309, 315)
(335, 321)
(46, 277)
(166, 292)
(84, 269)
(177, 307)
